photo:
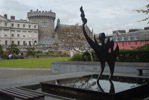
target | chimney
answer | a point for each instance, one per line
(146, 28)
(119, 31)
(133, 30)
(5, 16)
(12, 17)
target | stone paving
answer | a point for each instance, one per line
(10, 77)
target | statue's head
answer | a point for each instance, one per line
(102, 37)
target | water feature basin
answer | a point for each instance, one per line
(86, 88)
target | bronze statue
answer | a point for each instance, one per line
(104, 52)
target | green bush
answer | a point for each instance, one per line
(86, 56)
(133, 56)
(76, 57)
(4, 55)
(30, 51)
(13, 49)
(144, 48)
(1, 50)
(140, 54)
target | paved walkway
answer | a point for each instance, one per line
(11, 77)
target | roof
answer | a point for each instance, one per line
(132, 36)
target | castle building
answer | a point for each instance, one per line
(45, 20)
(19, 32)
(71, 37)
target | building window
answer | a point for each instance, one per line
(29, 26)
(34, 26)
(117, 38)
(123, 38)
(18, 25)
(23, 25)
(12, 35)
(129, 37)
(35, 31)
(23, 35)
(129, 43)
(5, 42)
(122, 45)
(136, 38)
(18, 42)
(30, 43)
(12, 42)
(5, 24)
(24, 43)
(12, 25)
(136, 43)
(44, 24)
(5, 35)
(35, 42)
(18, 35)
(142, 43)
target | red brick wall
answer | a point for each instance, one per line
(125, 44)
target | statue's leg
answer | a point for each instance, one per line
(112, 89)
(111, 67)
(102, 69)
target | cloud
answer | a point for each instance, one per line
(103, 15)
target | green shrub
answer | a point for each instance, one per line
(1, 50)
(13, 49)
(133, 56)
(144, 48)
(30, 51)
(4, 55)
(86, 56)
(140, 54)
(76, 57)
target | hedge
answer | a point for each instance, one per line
(133, 56)
(124, 56)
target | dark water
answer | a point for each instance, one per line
(90, 83)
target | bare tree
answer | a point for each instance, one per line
(145, 11)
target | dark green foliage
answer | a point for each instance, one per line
(76, 57)
(145, 48)
(30, 51)
(86, 56)
(13, 49)
(140, 54)
(133, 56)
(4, 55)
(1, 51)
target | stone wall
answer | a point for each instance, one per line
(72, 66)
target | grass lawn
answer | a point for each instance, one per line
(31, 63)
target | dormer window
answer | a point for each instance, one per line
(123, 38)
(136, 38)
(129, 37)
(117, 38)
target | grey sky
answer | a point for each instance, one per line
(103, 15)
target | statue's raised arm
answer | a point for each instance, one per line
(93, 45)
